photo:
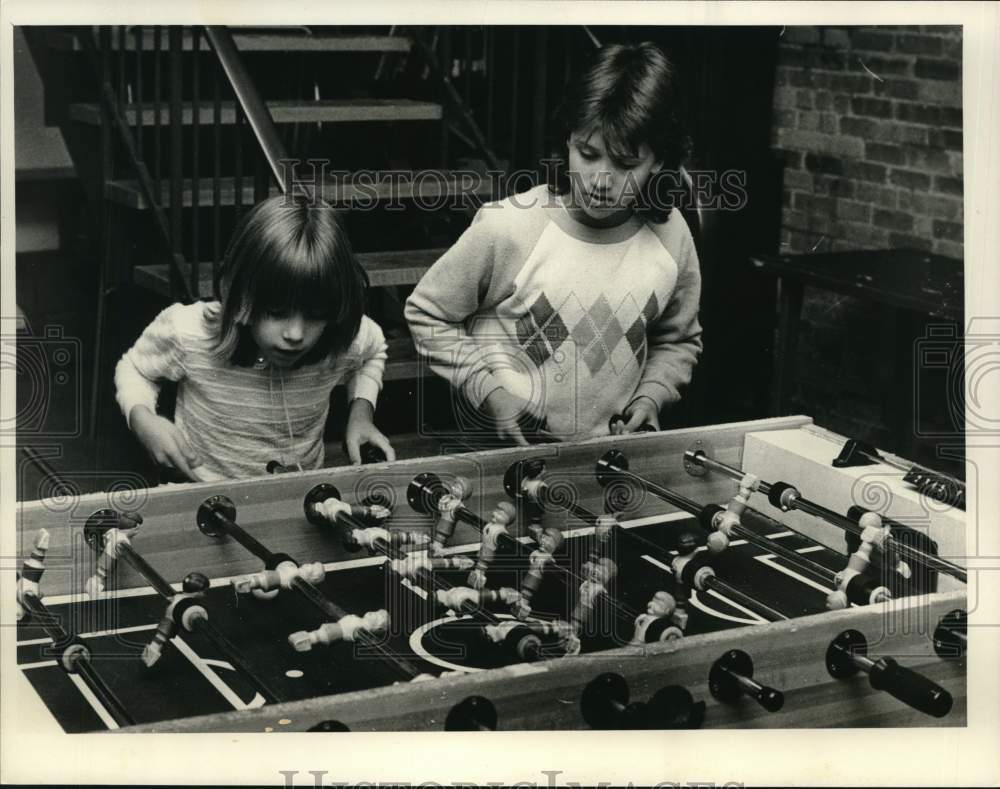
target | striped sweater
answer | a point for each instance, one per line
(239, 418)
(576, 320)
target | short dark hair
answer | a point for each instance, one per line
(627, 92)
(286, 254)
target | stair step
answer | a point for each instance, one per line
(396, 267)
(440, 186)
(274, 40)
(403, 363)
(283, 111)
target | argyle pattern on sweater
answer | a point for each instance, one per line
(602, 335)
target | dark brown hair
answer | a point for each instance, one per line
(289, 254)
(627, 92)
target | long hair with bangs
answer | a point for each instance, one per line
(627, 93)
(289, 254)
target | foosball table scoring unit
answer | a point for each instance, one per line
(725, 576)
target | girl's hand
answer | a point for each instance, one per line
(163, 441)
(505, 409)
(361, 430)
(641, 411)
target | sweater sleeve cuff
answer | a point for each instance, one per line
(364, 387)
(128, 401)
(660, 393)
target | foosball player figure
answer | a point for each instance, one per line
(456, 598)
(113, 539)
(597, 576)
(185, 607)
(458, 491)
(724, 522)
(530, 513)
(687, 544)
(852, 578)
(517, 639)
(661, 622)
(323, 506)
(376, 538)
(538, 562)
(32, 570)
(501, 517)
(344, 629)
(266, 584)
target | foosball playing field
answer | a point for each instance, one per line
(636, 582)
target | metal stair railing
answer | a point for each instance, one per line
(116, 94)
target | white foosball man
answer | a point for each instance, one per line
(661, 622)
(266, 584)
(538, 562)
(31, 571)
(501, 517)
(725, 521)
(874, 535)
(458, 491)
(344, 629)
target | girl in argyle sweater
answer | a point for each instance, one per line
(578, 299)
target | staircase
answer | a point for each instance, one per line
(177, 131)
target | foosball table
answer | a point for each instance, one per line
(759, 574)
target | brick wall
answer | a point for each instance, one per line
(870, 121)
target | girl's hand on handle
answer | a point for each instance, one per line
(641, 411)
(361, 430)
(505, 409)
(163, 441)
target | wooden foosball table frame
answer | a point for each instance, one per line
(544, 695)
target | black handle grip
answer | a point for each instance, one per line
(770, 699)
(910, 687)
(643, 428)
(372, 454)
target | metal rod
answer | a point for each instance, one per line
(81, 663)
(139, 44)
(216, 177)
(467, 65)
(120, 66)
(47, 469)
(669, 496)
(176, 138)
(195, 163)
(203, 626)
(456, 100)
(157, 106)
(238, 161)
(489, 57)
(905, 551)
(256, 111)
(515, 71)
(695, 509)
(444, 47)
(718, 585)
(775, 547)
(313, 595)
(539, 107)
(347, 521)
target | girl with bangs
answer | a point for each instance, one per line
(576, 301)
(255, 368)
